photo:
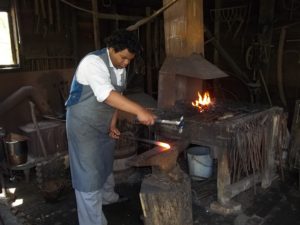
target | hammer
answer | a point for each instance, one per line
(179, 123)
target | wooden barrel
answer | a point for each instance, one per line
(125, 151)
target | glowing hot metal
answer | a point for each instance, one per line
(165, 146)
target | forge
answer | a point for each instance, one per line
(243, 138)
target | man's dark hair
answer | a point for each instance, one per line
(124, 39)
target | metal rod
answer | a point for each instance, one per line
(157, 143)
(142, 140)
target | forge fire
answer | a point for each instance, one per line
(203, 102)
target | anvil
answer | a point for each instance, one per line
(164, 159)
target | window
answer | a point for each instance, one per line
(6, 57)
(9, 57)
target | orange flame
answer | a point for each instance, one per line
(165, 146)
(202, 101)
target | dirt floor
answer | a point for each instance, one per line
(277, 205)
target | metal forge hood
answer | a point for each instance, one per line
(180, 78)
(192, 66)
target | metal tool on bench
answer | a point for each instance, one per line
(179, 123)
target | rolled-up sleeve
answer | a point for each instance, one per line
(93, 71)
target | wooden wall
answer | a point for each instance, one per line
(53, 38)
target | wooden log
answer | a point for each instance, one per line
(166, 198)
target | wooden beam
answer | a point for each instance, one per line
(236, 188)
(150, 18)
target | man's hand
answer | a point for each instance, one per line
(120, 102)
(114, 133)
(146, 117)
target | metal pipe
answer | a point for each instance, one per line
(21, 94)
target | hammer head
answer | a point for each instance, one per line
(179, 123)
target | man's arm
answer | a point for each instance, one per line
(120, 102)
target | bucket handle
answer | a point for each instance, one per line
(199, 177)
(201, 163)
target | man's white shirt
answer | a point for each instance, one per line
(93, 71)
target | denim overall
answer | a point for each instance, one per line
(91, 150)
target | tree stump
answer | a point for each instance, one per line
(166, 198)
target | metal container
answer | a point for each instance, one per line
(16, 149)
(199, 162)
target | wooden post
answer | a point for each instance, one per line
(265, 22)
(57, 9)
(156, 43)
(269, 170)
(184, 29)
(75, 36)
(149, 54)
(218, 5)
(184, 35)
(223, 179)
(96, 24)
(165, 200)
(226, 191)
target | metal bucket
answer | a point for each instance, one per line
(199, 162)
(16, 149)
